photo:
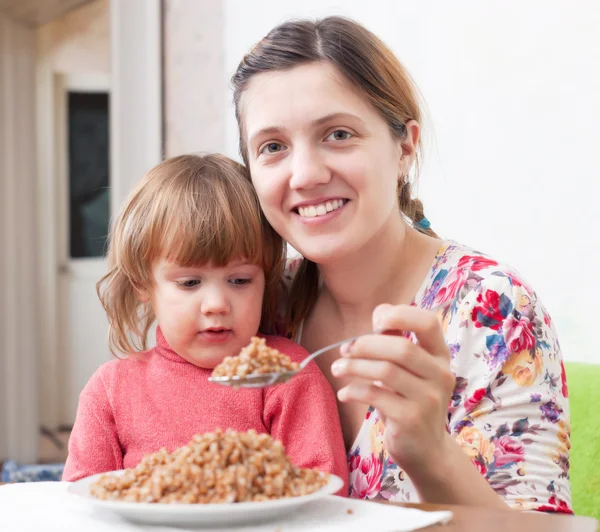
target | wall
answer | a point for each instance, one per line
(512, 92)
(194, 79)
(136, 114)
(19, 340)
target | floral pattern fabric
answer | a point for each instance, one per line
(509, 410)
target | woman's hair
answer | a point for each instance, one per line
(366, 63)
(192, 210)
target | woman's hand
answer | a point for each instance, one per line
(409, 384)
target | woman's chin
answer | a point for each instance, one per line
(323, 253)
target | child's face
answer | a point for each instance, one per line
(206, 313)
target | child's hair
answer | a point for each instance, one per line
(192, 210)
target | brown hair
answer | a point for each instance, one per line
(193, 210)
(368, 64)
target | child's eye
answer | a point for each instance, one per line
(240, 281)
(339, 134)
(188, 283)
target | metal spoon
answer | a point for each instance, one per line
(262, 380)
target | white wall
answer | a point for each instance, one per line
(513, 94)
(194, 76)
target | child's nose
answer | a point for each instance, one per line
(215, 302)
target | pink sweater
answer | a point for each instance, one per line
(135, 406)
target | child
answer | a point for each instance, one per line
(192, 251)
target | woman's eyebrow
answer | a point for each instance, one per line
(335, 116)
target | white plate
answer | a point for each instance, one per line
(201, 514)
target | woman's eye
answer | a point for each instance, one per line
(188, 283)
(339, 134)
(241, 281)
(272, 147)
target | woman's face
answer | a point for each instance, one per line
(323, 161)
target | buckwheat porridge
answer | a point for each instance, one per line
(256, 358)
(216, 467)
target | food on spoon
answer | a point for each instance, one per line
(256, 358)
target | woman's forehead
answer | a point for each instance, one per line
(300, 97)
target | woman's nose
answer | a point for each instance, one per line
(308, 169)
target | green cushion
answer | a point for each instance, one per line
(584, 399)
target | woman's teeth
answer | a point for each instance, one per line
(319, 210)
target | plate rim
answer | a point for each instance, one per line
(334, 484)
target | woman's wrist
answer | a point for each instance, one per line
(451, 478)
(435, 471)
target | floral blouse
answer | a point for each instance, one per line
(509, 410)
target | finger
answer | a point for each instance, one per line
(391, 376)
(395, 349)
(389, 405)
(423, 323)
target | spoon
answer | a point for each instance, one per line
(262, 380)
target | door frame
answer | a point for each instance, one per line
(135, 102)
(69, 268)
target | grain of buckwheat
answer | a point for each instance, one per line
(216, 467)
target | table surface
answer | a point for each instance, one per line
(472, 519)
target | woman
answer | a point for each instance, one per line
(463, 400)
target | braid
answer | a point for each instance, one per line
(412, 208)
